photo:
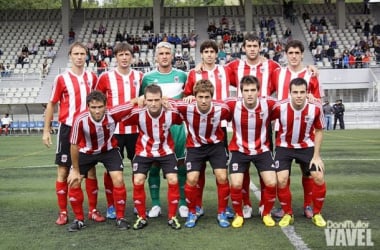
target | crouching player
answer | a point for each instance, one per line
(299, 138)
(154, 145)
(92, 141)
(250, 143)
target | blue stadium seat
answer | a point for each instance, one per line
(23, 126)
(15, 126)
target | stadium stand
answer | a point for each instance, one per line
(23, 92)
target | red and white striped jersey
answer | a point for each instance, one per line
(203, 128)
(154, 138)
(93, 137)
(71, 90)
(250, 126)
(262, 71)
(296, 127)
(283, 76)
(219, 76)
(119, 89)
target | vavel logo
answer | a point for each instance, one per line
(348, 233)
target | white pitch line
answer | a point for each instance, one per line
(44, 166)
(289, 231)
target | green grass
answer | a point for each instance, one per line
(28, 204)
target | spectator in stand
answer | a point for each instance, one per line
(102, 66)
(357, 25)
(288, 33)
(50, 53)
(50, 42)
(101, 30)
(185, 56)
(71, 36)
(119, 36)
(136, 48)
(43, 42)
(312, 44)
(330, 53)
(305, 16)
(323, 22)
(185, 42)
(366, 29)
(333, 44)
(44, 68)
(33, 49)
(25, 50)
(351, 61)
(263, 23)
(2, 69)
(191, 63)
(227, 38)
(366, 7)
(366, 59)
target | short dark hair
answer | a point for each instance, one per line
(297, 82)
(294, 44)
(153, 88)
(249, 79)
(96, 96)
(203, 85)
(251, 38)
(208, 44)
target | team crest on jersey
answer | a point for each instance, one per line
(135, 83)
(126, 82)
(164, 126)
(176, 79)
(135, 166)
(212, 120)
(235, 167)
(220, 76)
(188, 165)
(203, 120)
(307, 119)
(262, 115)
(262, 69)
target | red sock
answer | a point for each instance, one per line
(319, 194)
(237, 198)
(307, 183)
(201, 186)
(61, 191)
(223, 196)
(92, 193)
(262, 191)
(245, 190)
(139, 198)
(173, 199)
(108, 187)
(120, 198)
(191, 197)
(285, 198)
(269, 197)
(76, 201)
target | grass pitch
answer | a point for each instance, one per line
(28, 204)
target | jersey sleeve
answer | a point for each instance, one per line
(189, 86)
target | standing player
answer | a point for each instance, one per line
(70, 90)
(172, 83)
(154, 144)
(281, 80)
(253, 65)
(219, 76)
(299, 138)
(120, 85)
(6, 122)
(92, 141)
(204, 142)
(250, 143)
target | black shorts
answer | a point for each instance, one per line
(111, 160)
(216, 154)
(62, 155)
(240, 162)
(142, 165)
(284, 157)
(127, 141)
